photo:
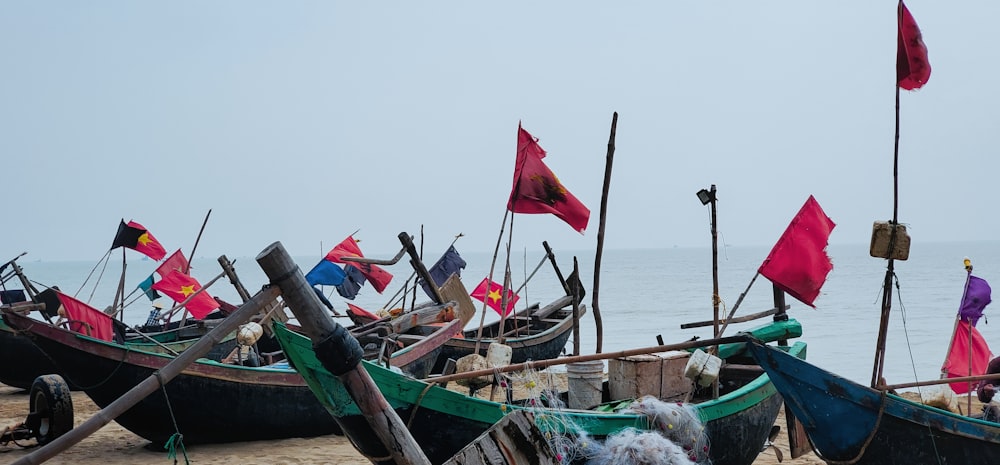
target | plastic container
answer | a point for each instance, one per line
(249, 334)
(498, 355)
(703, 368)
(585, 384)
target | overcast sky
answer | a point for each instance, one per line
(305, 121)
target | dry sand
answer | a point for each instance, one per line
(113, 445)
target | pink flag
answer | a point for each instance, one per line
(85, 319)
(957, 362)
(798, 263)
(175, 262)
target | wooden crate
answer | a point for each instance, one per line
(660, 375)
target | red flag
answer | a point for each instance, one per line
(175, 262)
(912, 68)
(135, 236)
(490, 292)
(179, 286)
(798, 263)
(956, 364)
(85, 319)
(373, 273)
(537, 190)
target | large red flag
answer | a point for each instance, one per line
(373, 273)
(957, 363)
(85, 319)
(798, 263)
(912, 68)
(537, 190)
(175, 262)
(491, 292)
(179, 286)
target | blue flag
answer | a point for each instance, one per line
(450, 263)
(326, 273)
(147, 287)
(352, 283)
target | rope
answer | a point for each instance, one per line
(176, 439)
(416, 405)
(864, 447)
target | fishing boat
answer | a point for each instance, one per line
(443, 421)
(210, 402)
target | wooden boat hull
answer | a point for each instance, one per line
(846, 421)
(443, 421)
(23, 361)
(211, 402)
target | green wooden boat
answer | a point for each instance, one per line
(443, 421)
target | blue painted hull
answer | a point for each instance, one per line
(848, 422)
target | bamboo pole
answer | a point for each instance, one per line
(152, 383)
(340, 353)
(600, 235)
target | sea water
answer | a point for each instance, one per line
(645, 293)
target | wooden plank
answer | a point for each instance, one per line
(454, 290)
(553, 307)
(739, 319)
(798, 442)
(514, 440)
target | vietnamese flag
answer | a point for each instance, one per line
(135, 236)
(85, 319)
(179, 286)
(373, 273)
(798, 263)
(537, 190)
(175, 262)
(490, 293)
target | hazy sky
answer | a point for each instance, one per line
(305, 121)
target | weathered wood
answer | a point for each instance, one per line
(152, 383)
(553, 307)
(340, 354)
(435, 314)
(739, 319)
(514, 440)
(798, 441)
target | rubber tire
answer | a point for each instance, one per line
(51, 401)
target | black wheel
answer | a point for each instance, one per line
(51, 407)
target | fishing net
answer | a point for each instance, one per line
(675, 435)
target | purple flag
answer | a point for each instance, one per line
(977, 297)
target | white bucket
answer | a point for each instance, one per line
(585, 381)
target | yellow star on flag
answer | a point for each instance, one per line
(187, 290)
(144, 238)
(494, 295)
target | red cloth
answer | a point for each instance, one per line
(491, 292)
(798, 263)
(912, 67)
(85, 319)
(373, 273)
(175, 262)
(537, 190)
(956, 364)
(179, 286)
(364, 315)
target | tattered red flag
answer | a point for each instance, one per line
(537, 190)
(798, 263)
(85, 319)
(373, 273)
(912, 67)
(178, 286)
(491, 293)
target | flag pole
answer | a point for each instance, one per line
(600, 235)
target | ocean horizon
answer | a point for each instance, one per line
(644, 293)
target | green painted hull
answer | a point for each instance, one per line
(443, 421)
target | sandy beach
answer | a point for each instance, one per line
(113, 445)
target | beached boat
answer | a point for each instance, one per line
(210, 401)
(532, 334)
(443, 421)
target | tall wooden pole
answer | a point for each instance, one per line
(715, 266)
(340, 353)
(600, 234)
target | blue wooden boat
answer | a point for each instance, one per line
(850, 423)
